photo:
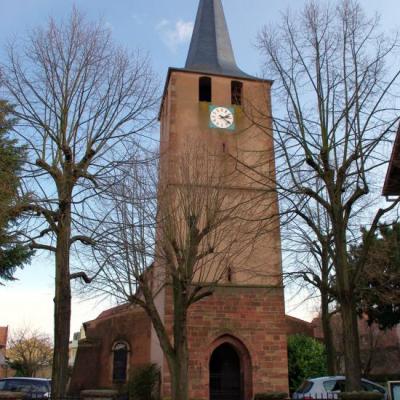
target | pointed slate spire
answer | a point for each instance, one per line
(211, 48)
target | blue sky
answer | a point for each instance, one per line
(163, 29)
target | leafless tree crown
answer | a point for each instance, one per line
(79, 99)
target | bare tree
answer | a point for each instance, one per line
(338, 106)
(371, 340)
(310, 266)
(78, 99)
(181, 238)
(29, 351)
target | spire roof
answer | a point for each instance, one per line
(211, 48)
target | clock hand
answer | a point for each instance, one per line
(226, 117)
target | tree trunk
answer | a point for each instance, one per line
(327, 332)
(179, 378)
(351, 344)
(62, 309)
(348, 311)
(325, 315)
(179, 373)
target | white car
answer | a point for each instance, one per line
(329, 387)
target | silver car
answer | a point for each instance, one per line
(329, 387)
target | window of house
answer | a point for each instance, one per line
(236, 91)
(205, 89)
(120, 362)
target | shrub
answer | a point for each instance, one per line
(144, 383)
(307, 359)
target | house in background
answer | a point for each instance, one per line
(3, 347)
(379, 350)
(392, 181)
(296, 326)
(73, 346)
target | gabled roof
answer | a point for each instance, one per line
(392, 181)
(114, 311)
(3, 336)
(211, 48)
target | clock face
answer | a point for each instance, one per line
(222, 118)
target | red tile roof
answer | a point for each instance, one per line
(3, 336)
(298, 326)
(392, 181)
(115, 310)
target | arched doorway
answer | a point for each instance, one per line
(226, 377)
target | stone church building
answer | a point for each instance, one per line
(237, 336)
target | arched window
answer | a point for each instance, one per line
(205, 89)
(236, 92)
(120, 362)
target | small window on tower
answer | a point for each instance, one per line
(236, 90)
(205, 89)
(229, 274)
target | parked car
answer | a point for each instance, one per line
(34, 388)
(328, 387)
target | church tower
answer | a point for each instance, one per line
(237, 336)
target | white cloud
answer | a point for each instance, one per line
(175, 34)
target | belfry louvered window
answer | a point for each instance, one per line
(205, 89)
(236, 91)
